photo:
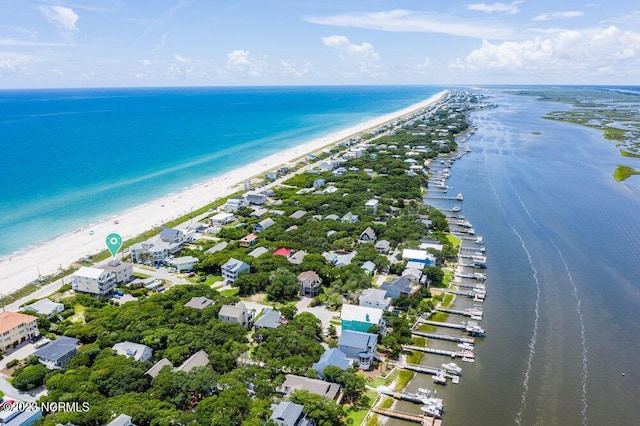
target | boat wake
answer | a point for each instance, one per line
(574, 291)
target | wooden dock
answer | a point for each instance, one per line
(452, 354)
(415, 418)
(447, 337)
(466, 312)
(444, 324)
(470, 294)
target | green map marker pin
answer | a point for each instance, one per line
(114, 242)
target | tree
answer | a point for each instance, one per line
(29, 377)
(284, 285)
(323, 411)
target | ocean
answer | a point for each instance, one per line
(77, 156)
(562, 240)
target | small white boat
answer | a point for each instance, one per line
(452, 367)
(468, 359)
(439, 378)
(459, 197)
(465, 346)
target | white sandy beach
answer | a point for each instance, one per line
(22, 268)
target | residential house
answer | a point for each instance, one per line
(339, 171)
(136, 351)
(361, 318)
(359, 346)
(431, 244)
(183, 263)
(332, 217)
(374, 298)
(157, 367)
(421, 256)
(259, 251)
(259, 212)
(315, 386)
(44, 307)
(339, 259)
(256, 199)
(328, 165)
(282, 251)
(218, 247)
(16, 328)
(269, 319)
(248, 240)
(400, 286)
(310, 283)
(233, 204)
(297, 257)
(372, 205)
(332, 357)
(121, 420)
(237, 313)
(367, 236)
(198, 359)
(298, 214)
(55, 355)
(349, 218)
(318, 183)
(263, 224)
(122, 271)
(412, 274)
(157, 249)
(93, 281)
(369, 267)
(198, 303)
(383, 246)
(287, 413)
(19, 414)
(173, 236)
(221, 219)
(232, 269)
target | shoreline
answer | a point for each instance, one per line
(27, 265)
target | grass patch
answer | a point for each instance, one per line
(78, 316)
(439, 316)
(455, 241)
(448, 299)
(373, 420)
(140, 276)
(414, 357)
(629, 154)
(448, 276)
(335, 322)
(427, 328)
(377, 382)
(623, 172)
(419, 341)
(404, 377)
(386, 403)
(358, 415)
(230, 292)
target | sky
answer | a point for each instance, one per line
(134, 43)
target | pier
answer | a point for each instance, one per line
(403, 396)
(470, 327)
(446, 337)
(453, 354)
(441, 197)
(423, 420)
(467, 312)
(470, 294)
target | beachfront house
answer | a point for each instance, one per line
(374, 298)
(310, 283)
(237, 313)
(232, 269)
(173, 236)
(136, 351)
(359, 346)
(16, 328)
(183, 263)
(45, 307)
(55, 355)
(233, 204)
(221, 219)
(122, 271)
(256, 199)
(361, 318)
(95, 281)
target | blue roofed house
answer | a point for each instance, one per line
(361, 318)
(332, 357)
(359, 346)
(269, 319)
(233, 268)
(421, 256)
(287, 413)
(57, 353)
(369, 267)
(400, 286)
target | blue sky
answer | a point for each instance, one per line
(82, 43)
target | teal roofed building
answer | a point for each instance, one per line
(361, 318)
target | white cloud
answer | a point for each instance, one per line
(11, 61)
(241, 62)
(62, 17)
(400, 20)
(424, 66)
(291, 69)
(558, 15)
(587, 52)
(509, 9)
(28, 43)
(362, 55)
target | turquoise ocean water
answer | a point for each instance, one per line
(73, 157)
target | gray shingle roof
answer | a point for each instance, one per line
(58, 348)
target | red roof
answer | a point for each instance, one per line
(282, 252)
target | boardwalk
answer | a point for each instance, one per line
(423, 420)
(447, 337)
(453, 354)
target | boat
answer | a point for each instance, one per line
(423, 392)
(430, 411)
(479, 240)
(465, 346)
(459, 197)
(452, 367)
(456, 209)
(468, 359)
(439, 378)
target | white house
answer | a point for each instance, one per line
(372, 205)
(45, 307)
(221, 219)
(133, 350)
(93, 281)
(183, 263)
(374, 298)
